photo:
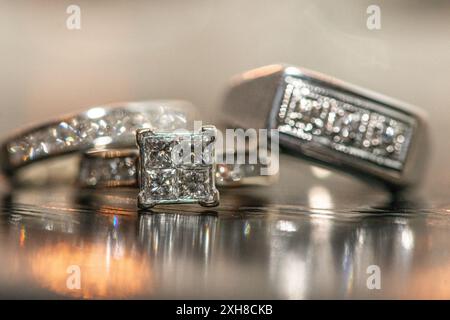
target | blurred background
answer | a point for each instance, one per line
(311, 236)
(189, 49)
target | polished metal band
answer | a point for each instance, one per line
(118, 168)
(104, 126)
(332, 123)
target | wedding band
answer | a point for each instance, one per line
(104, 126)
(118, 168)
(109, 168)
(332, 123)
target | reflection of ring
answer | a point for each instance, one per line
(333, 123)
(113, 125)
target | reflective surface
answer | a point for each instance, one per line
(318, 244)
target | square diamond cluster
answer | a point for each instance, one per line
(344, 123)
(176, 168)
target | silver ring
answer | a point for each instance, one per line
(101, 168)
(104, 126)
(332, 123)
(168, 168)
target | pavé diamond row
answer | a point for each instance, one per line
(343, 123)
(108, 168)
(332, 123)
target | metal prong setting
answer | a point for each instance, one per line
(165, 181)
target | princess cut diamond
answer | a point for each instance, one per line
(161, 183)
(195, 183)
(177, 168)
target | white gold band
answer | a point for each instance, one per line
(332, 123)
(103, 126)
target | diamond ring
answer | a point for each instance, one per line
(165, 179)
(112, 125)
(118, 168)
(332, 123)
(177, 167)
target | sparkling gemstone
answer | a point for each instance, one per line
(87, 129)
(345, 127)
(96, 171)
(158, 152)
(64, 135)
(39, 143)
(17, 150)
(122, 168)
(161, 183)
(228, 172)
(115, 123)
(342, 122)
(195, 183)
(174, 169)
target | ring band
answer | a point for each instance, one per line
(332, 123)
(104, 126)
(118, 168)
(109, 168)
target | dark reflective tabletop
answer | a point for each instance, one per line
(313, 235)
